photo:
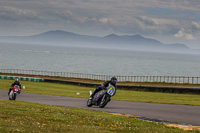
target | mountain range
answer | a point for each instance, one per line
(129, 42)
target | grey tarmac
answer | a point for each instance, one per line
(181, 114)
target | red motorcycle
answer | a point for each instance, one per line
(13, 93)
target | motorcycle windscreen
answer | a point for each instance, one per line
(16, 86)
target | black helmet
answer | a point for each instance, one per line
(113, 80)
(17, 81)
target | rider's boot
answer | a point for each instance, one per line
(92, 95)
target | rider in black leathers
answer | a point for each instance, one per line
(13, 84)
(113, 82)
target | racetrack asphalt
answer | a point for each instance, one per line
(181, 114)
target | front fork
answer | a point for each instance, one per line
(105, 98)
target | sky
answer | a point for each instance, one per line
(169, 21)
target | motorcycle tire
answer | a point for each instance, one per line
(10, 96)
(89, 102)
(14, 96)
(104, 101)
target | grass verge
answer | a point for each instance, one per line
(18, 116)
(125, 95)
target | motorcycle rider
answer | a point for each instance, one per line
(112, 81)
(15, 83)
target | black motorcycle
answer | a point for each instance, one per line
(101, 98)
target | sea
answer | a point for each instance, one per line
(98, 61)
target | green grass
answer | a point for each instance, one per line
(18, 116)
(158, 97)
(125, 95)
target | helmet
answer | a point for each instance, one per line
(113, 80)
(17, 81)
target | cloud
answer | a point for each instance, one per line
(191, 31)
(196, 25)
(195, 28)
(152, 17)
(104, 20)
(182, 34)
(12, 13)
(148, 21)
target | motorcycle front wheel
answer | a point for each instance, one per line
(104, 101)
(14, 96)
(11, 95)
(89, 102)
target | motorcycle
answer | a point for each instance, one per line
(13, 93)
(101, 98)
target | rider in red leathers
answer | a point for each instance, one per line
(13, 84)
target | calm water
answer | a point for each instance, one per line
(97, 61)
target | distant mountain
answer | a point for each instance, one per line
(58, 37)
(132, 40)
(58, 34)
(177, 45)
